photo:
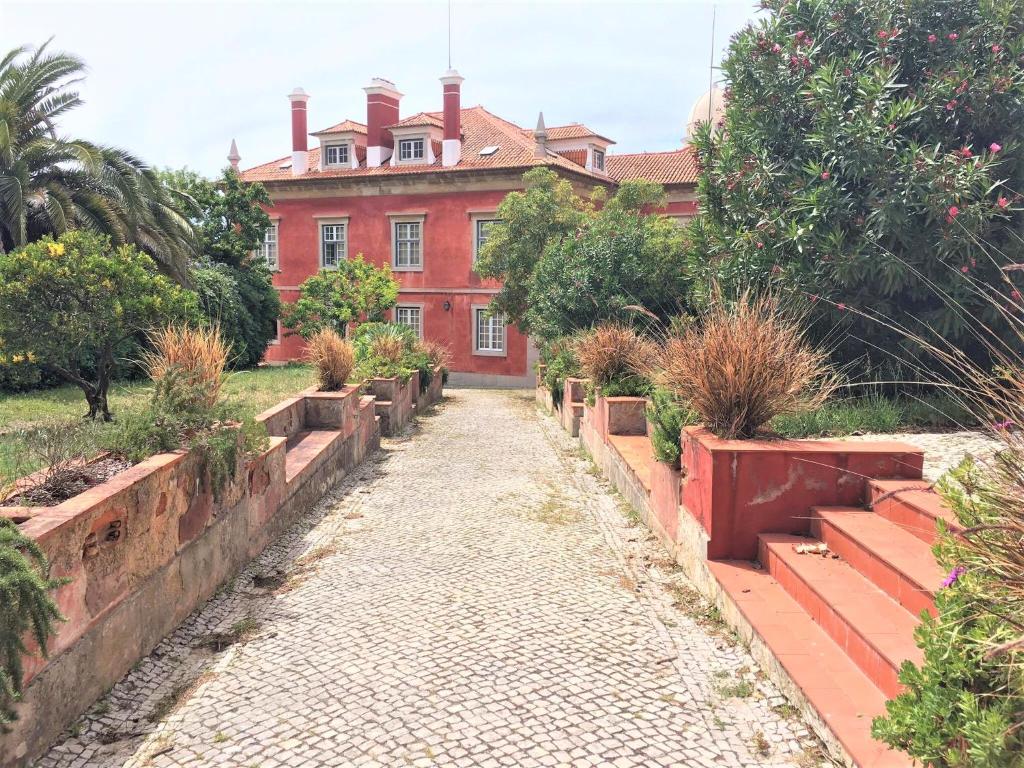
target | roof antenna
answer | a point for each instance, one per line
(449, 34)
(711, 68)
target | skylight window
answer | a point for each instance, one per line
(285, 164)
(489, 150)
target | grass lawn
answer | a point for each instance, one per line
(253, 391)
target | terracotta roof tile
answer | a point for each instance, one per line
(571, 131)
(678, 166)
(578, 156)
(432, 119)
(480, 129)
(345, 126)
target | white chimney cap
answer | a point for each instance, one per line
(298, 95)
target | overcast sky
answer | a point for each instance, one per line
(175, 82)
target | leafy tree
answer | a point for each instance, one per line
(50, 184)
(355, 292)
(71, 304)
(234, 287)
(619, 259)
(25, 607)
(871, 159)
(547, 210)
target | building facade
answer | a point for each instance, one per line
(419, 194)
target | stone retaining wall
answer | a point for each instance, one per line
(145, 549)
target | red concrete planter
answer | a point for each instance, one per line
(574, 394)
(737, 489)
(434, 391)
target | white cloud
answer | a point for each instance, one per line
(175, 82)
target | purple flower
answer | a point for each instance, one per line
(1006, 424)
(955, 574)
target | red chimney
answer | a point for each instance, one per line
(381, 111)
(451, 149)
(300, 155)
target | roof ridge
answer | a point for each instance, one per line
(645, 152)
(512, 130)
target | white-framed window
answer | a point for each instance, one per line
(480, 234)
(411, 149)
(598, 160)
(488, 332)
(410, 315)
(337, 154)
(268, 248)
(407, 237)
(333, 244)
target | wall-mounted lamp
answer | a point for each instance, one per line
(447, 306)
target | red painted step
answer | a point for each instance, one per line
(876, 632)
(838, 691)
(892, 558)
(911, 505)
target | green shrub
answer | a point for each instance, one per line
(26, 608)
(386, 350)
(559, 357)
(667, 417)
(964, 707)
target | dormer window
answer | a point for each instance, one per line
(337, 154)
(411, 149)
(598, 160)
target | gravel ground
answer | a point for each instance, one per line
(943, 450)
(473, 595)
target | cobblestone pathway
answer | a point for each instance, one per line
(472, 596)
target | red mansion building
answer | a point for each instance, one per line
(419, 193)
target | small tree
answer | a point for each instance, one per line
(355, 292)
(234, 288)
(617, 259)
(71, 304)
(529, 221)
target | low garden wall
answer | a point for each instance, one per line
(433, 393)
(143, 550)
(395, 401)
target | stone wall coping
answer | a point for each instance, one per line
(712, 442)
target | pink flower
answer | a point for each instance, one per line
(800, 35)
(825, 175)
(776, 269)
(932, 38)
(840, 306)
(966, 153)
(953, 36)
(847, 71)
(996, 48)
(993, 147)
(953, 212)
(965, 269)
(1002, 202)
(814, 297)
(951, 104)
(1015, 294)
(882, 34)
(760, 245)
(776, 48)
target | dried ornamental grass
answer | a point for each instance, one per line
(189, 360)
(439, 354)
(388, 348)
(333, 358)
(612, 351)
(744, 365)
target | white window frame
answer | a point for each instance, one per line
(339, 222)
(412, 143)
(477, 220)
(410, 307)
(343, 147)
(271, 238)
(481, 311)
(596, 153)
(396, 222)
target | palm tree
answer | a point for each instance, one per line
(49, 184)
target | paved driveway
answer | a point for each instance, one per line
(472, 596)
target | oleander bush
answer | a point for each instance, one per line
(333, 358)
